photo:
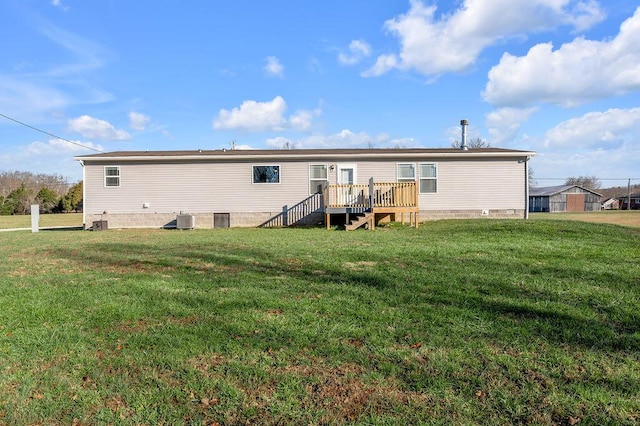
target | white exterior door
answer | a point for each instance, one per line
(346, 176)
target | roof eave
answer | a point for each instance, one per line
(226, 156)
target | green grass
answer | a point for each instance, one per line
(46, 220)
(617, 217)
(457, 322)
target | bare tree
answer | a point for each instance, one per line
(532, 181)
(472, 143)
(10, 181)
(589, 182)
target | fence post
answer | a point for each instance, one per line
(35, 217)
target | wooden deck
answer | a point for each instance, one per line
(376, 202)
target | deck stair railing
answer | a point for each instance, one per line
(299, 214)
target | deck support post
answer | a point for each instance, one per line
(285, 216)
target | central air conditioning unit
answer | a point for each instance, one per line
(185, 221)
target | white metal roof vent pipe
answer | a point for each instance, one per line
(463, 144)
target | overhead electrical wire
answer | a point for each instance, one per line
(50, 134)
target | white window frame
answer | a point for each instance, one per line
(106, 177)
(266, 165)
(318, 180)
(421, 178)
(406, 179)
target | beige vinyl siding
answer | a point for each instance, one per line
(199, 187)
(203, 186)
(477, 185)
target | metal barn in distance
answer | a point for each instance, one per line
(563, 198)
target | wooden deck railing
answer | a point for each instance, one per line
(395, 194)
(375, 194)
(305, 213)
(348, 195)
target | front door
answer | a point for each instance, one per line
(346, 176)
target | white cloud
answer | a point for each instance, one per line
(253, 116)
(59, 146)
(302, 119)
(273, 67)
(384, 63)
(88, 54)
(94, 128)
(602, 130)
(138, 121)
(58, 3)
(602, 163)
(358, 50)
(52, 157)
(504, 123)
(343, 139)
(256, 116)
(602, 144)
(577, 72)
(32, 93)
(28, 98)
(433, 44)
(280, 143)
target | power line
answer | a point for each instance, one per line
(49, 134)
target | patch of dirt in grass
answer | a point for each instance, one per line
(339, 393)
(143, 324)
(138, 326)
(363, 264)
(118, 405)
(206, 364)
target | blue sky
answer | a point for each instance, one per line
(559, 77)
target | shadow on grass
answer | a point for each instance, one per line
(496, 296)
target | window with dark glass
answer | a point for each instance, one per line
(266, 174)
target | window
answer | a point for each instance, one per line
(428, 178)
(112, 176)
(406, 172)
(266, 174)
(317, 176)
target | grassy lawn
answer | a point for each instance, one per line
(457, 322)
(619, 217)
(46, 220)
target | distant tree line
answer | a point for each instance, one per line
(53, 193)
(588, 182)
(473, 143)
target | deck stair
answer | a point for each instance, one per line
(371, 204)
(365, 219)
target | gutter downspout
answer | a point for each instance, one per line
(84, 195)
(526, 188)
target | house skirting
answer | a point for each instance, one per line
(202, 220)
(426, 215)
(254, 219)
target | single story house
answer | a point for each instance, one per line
(611, 204)
(563, 198)
(232, 188)
(635, 201)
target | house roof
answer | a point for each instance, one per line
(547, 191)
(310, 154)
